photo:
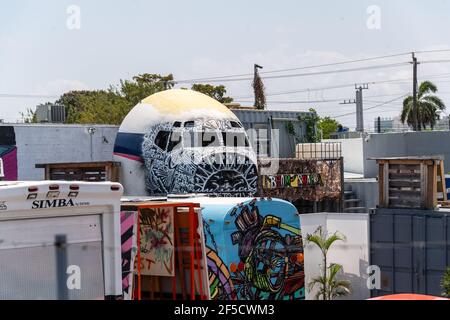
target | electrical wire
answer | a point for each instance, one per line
(313, 66)
(376, 106)
(296, 75)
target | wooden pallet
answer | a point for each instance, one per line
(413, 182)
(89, 171)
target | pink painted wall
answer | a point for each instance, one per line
(10, 165)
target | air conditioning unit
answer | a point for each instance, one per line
(2, 172)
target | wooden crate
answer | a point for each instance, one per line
(412, 182)
(85, 171)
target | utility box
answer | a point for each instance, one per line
(34, 214)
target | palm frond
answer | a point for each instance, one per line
(440, 105)
(332, 239)
(425, 88)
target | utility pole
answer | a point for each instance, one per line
(415, 109)
(360, 106)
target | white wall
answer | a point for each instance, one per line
(39, 144)
(352, 151)
(353, 254)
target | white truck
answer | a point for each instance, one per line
(34, 214)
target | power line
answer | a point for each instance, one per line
(392, 65)
(306, 90)
(313, 66)
(376, 106)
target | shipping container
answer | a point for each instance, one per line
(412, 249)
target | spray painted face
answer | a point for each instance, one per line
(212, 156)
(181, 141)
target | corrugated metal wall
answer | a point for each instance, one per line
(412, 248)
(272, 119)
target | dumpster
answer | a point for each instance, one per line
(60, 240)
(254, 248)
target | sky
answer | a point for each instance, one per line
(47, 49)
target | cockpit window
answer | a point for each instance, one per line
(210, 139)
(175, 141)
(189, 124)
(177, 124)
(235, 139)
(161, 139)
(235, 124)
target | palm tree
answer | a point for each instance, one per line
(429, 107)
(329, 286)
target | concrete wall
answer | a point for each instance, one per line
(366, 190)
(353, 254)
(357, 151)
(37, 144)
(352, 149)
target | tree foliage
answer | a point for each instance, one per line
(215, 92)
(327, 126)
(317, 127)
(259, 91)
(429, 107)
(329, 286)
(110, 106)
(445, 283)
(310, 120)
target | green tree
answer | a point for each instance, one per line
(328, 126)
(142, 86)
(311, 121)
(429, 106)
(445, 283)
(215, 92)
(112, 105)
(329, 286)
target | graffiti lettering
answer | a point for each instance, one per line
(292, 181)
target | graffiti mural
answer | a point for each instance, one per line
(261, 256)
(129, 249)
(157, 242)
(199, 159)
(182, 141)
(8, 153)
(311, 180)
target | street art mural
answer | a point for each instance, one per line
(311, 180)
(255, 252)
(8, 153)
(129, 249)
(182, 141)
(157, 242)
